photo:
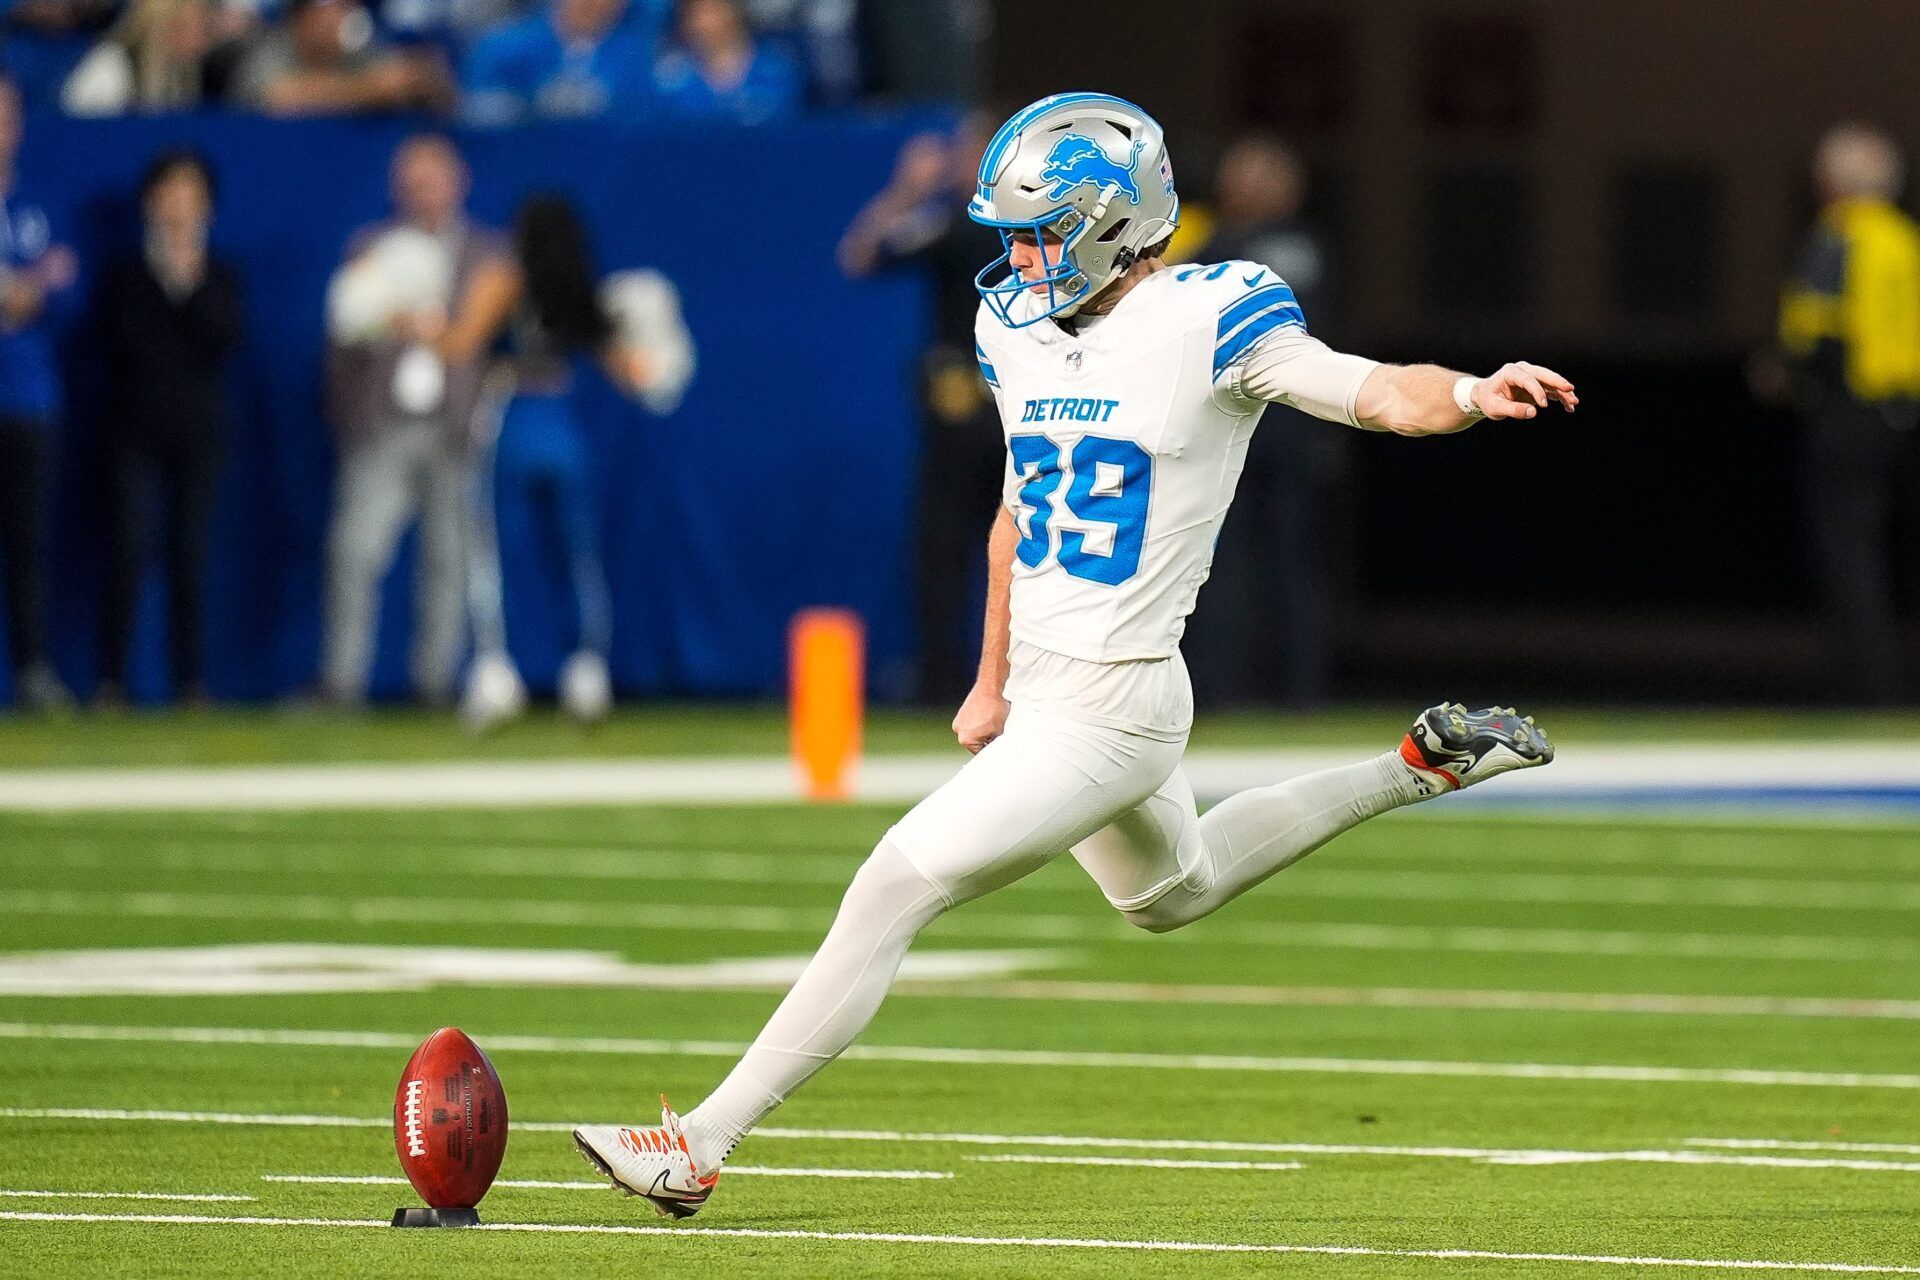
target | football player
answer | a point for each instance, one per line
(1128, 390)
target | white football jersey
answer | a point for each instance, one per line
(1124, 444)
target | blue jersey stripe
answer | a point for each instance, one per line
(986, 367)
(1282, 314)
(1252, 305)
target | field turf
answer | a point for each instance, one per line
(295, 735)
(1444, 1046)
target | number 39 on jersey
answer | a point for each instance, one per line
(1124, 443)
(1106, 484)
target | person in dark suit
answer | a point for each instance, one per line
(170, 322)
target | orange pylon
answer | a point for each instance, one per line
(827, 698)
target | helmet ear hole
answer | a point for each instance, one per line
(1114, 232)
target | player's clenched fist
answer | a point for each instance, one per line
(980, 719)
(1522, 390)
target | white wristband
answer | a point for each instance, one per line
(1463, 396)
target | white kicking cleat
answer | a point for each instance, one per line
(653, 1164)
(1456, 747)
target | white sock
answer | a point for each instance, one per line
(1248, 837)
(887, 904)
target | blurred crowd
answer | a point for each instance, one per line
(490, 62)
(456, 355)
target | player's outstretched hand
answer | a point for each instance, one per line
(1522, 390)
(981, 718)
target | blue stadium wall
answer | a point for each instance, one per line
(783, 481)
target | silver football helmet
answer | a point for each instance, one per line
(1085, 176)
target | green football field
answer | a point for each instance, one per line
(1448, 1044)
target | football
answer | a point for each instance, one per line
(450, 1120)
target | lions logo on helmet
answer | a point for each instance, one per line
(1062, 176)
(1075, 160)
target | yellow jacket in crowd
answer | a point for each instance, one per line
(1854, 304)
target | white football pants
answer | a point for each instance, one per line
(1119, 801)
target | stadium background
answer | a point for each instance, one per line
(1650, 1010)
(1613, 189)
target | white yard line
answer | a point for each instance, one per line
(1497, 1156)
(1338, 882)
(273, 968)
(1004, 1242)
(1890, 885)
(1485, 1155)
(1426, 998)
(1068, 1141)
(1710, 770)
(1027, 1058)
(1777, 1144)
(986, 923)
(118, 1195)
(541, 1184)
(1123, 1162)
(276, 1119)
(1320, 882)
(1697, 1157)
(283, 967)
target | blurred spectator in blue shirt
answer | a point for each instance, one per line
(719, 70)
(34, 272)
(450, 25)
(825, 36)
(576, 59)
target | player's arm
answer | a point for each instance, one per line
(918, 176)
(1425, 399)
(984, 714)
(1295, 369)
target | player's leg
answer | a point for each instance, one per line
(440, 595)
(1043, 786)
(586, 687)
(526, 541)
(1163, 867)
(374, 499)
(129, 472)
(494, 692)
(192, 479)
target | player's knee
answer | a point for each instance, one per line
(889, 880)
(1162, 916)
